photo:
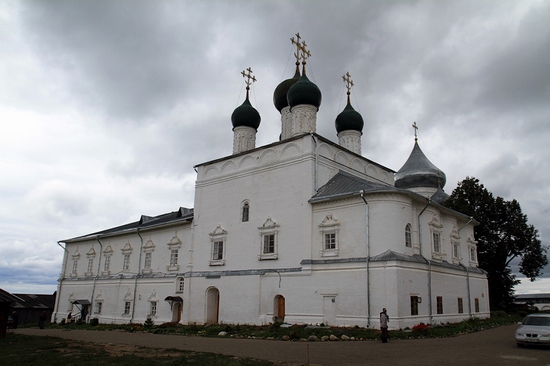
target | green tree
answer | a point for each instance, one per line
(503, 235)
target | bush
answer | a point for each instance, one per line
(94, 321)
(421, 328)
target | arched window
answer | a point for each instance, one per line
(408, 236)
(245, 212)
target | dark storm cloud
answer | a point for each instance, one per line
(114, 102)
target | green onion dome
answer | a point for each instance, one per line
(349, 119)
(279, 96)
(304, 92)
(246, 115)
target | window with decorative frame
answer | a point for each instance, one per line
(76, 257)
(217, 240)
(98, 307)
(437, 246)
(472, 251)
(108, 252)
(408, 236)
(153, 304)
(245, 211)
(126, 252)
(455, 244)
(329, 229)
(127, 303)
(90, 255)
(148, 250)
(269, 233)
(174, 246)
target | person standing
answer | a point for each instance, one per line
(384, 319)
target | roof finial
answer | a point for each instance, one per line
(250, 79)
(302, 52)
(349, 83)
(415, 130)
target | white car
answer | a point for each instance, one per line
(534, 330)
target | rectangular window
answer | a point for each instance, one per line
(217, 253)
(330, 241)
(460, 306)
(98, 306)
(414, 305)
(472, 254)
(107, 264)
(439, 301)
(456, 250)
(269, 244)
(173, 257)
(153, 308)
(127, 307)
(75, 266)
(148, 257)
(476, 305)
(246, 212)
(437, 242)
(126, 264)
(181, 284)
(408, 236)
(90, 265)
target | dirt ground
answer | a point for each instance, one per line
(490, 347)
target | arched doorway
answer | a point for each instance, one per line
(279, 309)
(212, 305)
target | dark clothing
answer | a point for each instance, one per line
(384, 319)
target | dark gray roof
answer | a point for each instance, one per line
(390, 255)
(532, 296)
(344, 185)
(418, 171)
(145, 222)
(440, 196)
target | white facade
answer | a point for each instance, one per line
(242, 280)
(302, 231)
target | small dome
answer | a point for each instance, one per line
(349, 119)
(439, 196)
(304, 92)
(246, 115)
(418, 171)
(279, 96)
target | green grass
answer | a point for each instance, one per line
(17, 350)
(296, 332)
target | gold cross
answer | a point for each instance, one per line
(298, 47)
(349, 83)
(415, 130)
(250, 79)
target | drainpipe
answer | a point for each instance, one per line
(429, 261)
(315, 178)
(137, 275)
(97, 273)
(61, 277)
(362, 193)
(468, 276)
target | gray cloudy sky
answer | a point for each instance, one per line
(106, 106)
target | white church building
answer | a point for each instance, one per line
(302, 230)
